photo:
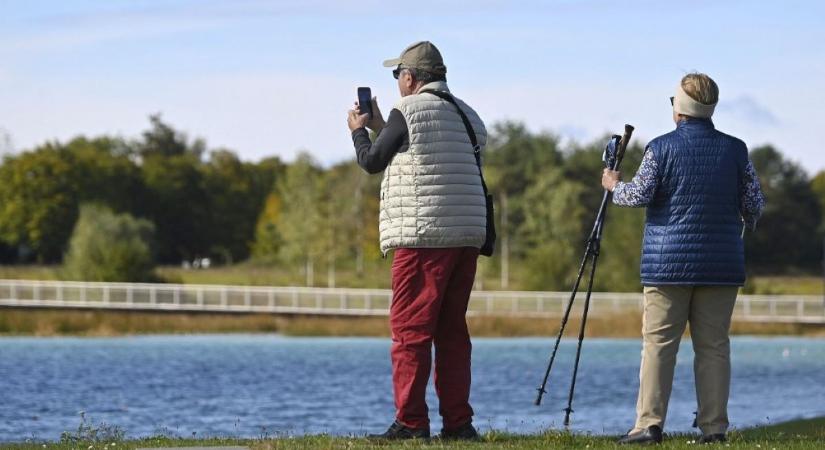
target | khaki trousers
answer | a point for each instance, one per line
(667, 309)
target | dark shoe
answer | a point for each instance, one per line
(713, 438)
(399, 431)
(652, 435)
(465, 432)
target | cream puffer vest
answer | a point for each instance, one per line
(431, 194)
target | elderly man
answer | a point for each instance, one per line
(699, 188)
(433, 215)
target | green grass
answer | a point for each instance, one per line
(770, 285)
(29, 272)
(376, 275)
(812, 428)
(58, 322)
(801, 434)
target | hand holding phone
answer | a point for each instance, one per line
(365, 101)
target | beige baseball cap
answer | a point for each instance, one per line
(422, 55)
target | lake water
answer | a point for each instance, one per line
(251, 385)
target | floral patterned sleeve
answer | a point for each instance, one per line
(752, 200)
(640, 190)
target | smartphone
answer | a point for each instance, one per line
(365, 101)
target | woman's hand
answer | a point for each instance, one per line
(610, 178)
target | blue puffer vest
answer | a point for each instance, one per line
(693, 228)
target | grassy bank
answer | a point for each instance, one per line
(45, 322)
(777, 285)
(797, 435)
(375, 275)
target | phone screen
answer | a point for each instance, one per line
(365, 100)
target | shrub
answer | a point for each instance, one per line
(106, 246)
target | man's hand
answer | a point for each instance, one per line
(355, 120)
(377, 122)
(610, 178)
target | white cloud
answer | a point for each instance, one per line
(575, 111)
(746, 108)
(583, 112)
(70, 38)
(257, 115)
(266, 114)
(6, 142)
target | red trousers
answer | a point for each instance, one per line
(431, 289)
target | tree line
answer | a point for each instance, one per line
(110, 208)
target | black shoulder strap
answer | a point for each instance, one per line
(470, 132)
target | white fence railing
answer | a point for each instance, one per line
(359, 302)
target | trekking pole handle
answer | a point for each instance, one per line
(628, 132)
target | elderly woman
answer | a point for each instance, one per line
(700, 189)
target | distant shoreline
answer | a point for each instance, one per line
(101, 323)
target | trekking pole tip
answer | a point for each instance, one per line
(567, 412)
(540, 395)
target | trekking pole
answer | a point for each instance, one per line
(596, 237)
(614, 152)
(564, 318)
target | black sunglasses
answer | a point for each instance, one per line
(396, 72)
(671, 101)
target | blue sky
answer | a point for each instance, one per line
(274, 78)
